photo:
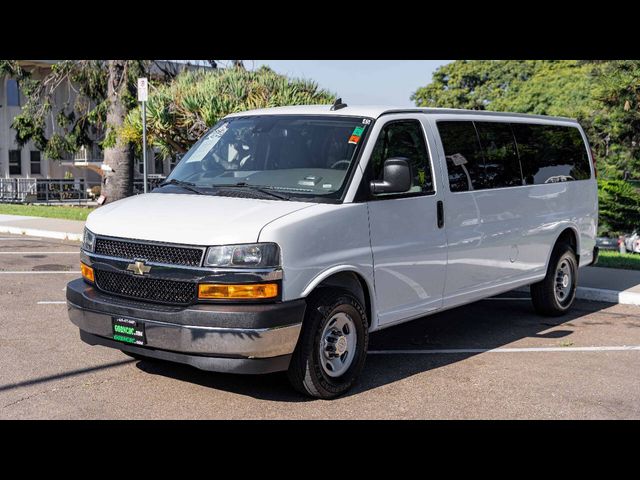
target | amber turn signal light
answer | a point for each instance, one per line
(211, 291)
(87, 273)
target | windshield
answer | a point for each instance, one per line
(295, 155)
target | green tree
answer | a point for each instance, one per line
(180, 112)
(619, 206)
(474, 84)
(544, 87)
(104, 92)
(616, 123)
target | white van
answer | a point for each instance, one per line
(286, 235)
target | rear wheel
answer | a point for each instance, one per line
(554, 295)
(332, 347)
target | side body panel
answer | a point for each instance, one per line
(409, 250)
(500, 239)
(320, 241)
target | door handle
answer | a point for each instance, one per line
(440, 207)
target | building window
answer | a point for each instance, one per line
(13, 93)
(15, 165)
(173, 161)
(159, 165)
(35, 162)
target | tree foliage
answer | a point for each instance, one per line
(544, 87)
(180, 112)
(616, 121)
(619, 206)
(603, 95)
(80, 118)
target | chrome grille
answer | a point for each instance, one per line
(151, 252)
(146, 288)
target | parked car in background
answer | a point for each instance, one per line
(607, 243)
(632, 242)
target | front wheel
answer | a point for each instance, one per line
(332, 347)
(554, 295)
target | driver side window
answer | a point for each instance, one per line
(404, 138)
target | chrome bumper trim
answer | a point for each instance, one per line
(198, 340)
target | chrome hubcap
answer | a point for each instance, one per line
(564, 281)
(338, 345)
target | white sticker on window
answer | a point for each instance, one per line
(458, 159)
(208, 143)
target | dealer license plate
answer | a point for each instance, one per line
(128, 330)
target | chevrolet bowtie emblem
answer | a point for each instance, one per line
(138, 268)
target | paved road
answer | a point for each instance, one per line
(491, 359)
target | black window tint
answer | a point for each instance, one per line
(15, 164)
(404, 139)
(502, 167)
(464, 156)
(551, 153)
(35, 162)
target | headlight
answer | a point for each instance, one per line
(249, 255)
(89, 241)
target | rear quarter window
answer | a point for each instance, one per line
(551, 153)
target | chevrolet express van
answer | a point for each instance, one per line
(285, 236)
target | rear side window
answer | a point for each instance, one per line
(551, 153)
(465, 163)
(501, 164)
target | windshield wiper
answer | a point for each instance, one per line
(186, 185)
(266, 191)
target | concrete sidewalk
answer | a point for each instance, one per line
(610, 285)
(42, 227)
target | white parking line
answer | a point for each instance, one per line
(620, 348)
(52, 303)
(21, 238)
(39, 253)
(20, 272)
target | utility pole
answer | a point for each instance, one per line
(143, 94)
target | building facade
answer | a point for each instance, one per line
(29, 162)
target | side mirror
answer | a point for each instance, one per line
(396, 177)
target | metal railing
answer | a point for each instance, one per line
(85, 155)
(45, 190)
(59, 190)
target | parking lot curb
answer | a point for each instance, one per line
(601, 295)
(34, 232)
(609, 296)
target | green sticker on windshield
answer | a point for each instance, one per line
(358, 131)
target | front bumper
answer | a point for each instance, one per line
(251, 338)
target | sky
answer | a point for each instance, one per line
(358, 82)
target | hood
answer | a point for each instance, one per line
(189, 219)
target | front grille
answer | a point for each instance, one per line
(151, 252)
(145, 288)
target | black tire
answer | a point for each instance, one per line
(305, 373)
(543, 294)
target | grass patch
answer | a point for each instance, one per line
(65, 212)
(613, 259)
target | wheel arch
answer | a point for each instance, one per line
(568, 233)
(348, 278)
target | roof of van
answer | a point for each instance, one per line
(375, 111)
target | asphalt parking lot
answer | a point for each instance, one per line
(494, 359)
